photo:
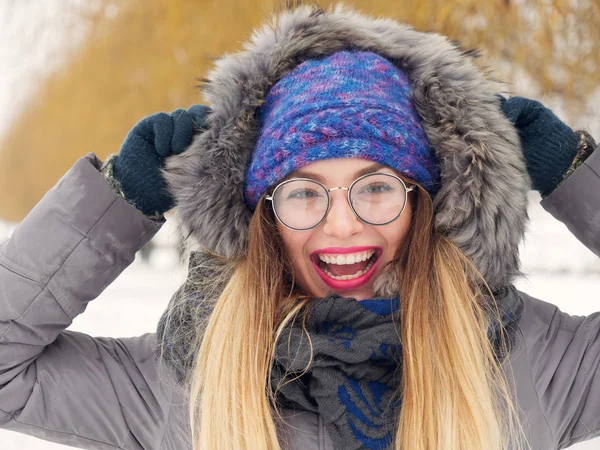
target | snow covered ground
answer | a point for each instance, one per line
(560, 270)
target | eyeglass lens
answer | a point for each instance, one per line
(376, 198)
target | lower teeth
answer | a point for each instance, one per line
(349, 277)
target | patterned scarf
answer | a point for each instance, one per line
(356, 367)
(354, 372)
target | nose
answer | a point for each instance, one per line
(341, 222)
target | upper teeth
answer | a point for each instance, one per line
(350, 258)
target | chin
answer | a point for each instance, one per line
(359, 295)
(363, 293)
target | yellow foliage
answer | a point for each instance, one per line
(150, 56)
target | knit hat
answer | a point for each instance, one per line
(351, 104)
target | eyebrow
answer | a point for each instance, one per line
(369, 169)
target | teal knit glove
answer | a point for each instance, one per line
(549, 145)
(137, 167)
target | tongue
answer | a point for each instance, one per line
(346, 269)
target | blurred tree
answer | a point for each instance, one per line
(146, 56)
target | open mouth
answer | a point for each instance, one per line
(346, 268)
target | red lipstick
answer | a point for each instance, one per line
(346, 285)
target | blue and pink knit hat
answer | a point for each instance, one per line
(347, 105)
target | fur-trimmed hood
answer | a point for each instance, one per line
(482, 203)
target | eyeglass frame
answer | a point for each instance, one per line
(407, 189)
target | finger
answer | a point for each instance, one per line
(181, 123)
(162, 126)
(177, 113)
(183, 131)
(199, 114)
(515, 108)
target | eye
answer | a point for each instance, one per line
(302, 194)
(376, 187)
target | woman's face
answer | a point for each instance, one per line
(361, 249)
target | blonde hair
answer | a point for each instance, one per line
(454, 394)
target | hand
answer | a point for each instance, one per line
(138, 166)
(549, 145)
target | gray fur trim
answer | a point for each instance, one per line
(482, 204)
(585, 147)
(182, 325)
(108, 171)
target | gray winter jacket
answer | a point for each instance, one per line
(113, 393)
(104, 393)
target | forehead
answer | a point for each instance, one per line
(338, 170)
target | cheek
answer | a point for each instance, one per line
(294, 243)
(295, 247)
(396, 232)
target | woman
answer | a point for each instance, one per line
(382, 316)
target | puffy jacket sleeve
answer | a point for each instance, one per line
(65, 386)
(564, 350)
(564, 360)
(576, 202)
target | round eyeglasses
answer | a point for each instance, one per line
(376, 198)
